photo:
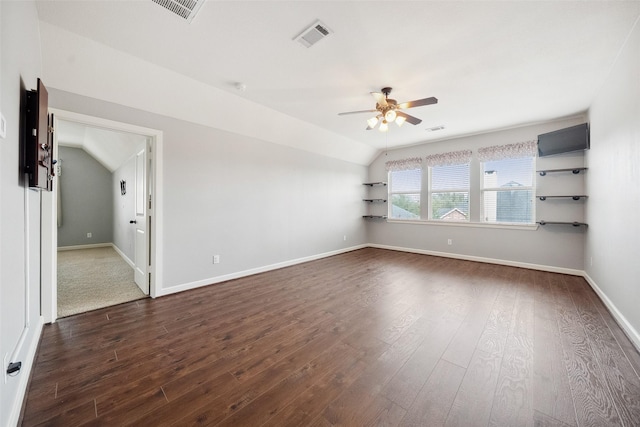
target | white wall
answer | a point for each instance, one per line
(254, 203)
(558, 248)
(124, 208)
(20, 210)
(613, 241)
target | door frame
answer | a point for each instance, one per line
(49, 242)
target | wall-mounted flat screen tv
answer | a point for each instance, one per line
(574, 138)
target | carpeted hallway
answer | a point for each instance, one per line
(89, 279)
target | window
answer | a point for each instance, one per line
(404, 193)
(449, 192)
(442, 188)
(405, 186)
(507, 185)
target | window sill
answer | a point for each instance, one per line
(505, 226)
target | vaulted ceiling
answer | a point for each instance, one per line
(112, 149)
(491, 65)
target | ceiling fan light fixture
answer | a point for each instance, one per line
(388, 110)
(390, 116)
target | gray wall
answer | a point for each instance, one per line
(613, 240)
(19, 207)
(87, 193)
(558, 247)
(251, 202)
(124, 209)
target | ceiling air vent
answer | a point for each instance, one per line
(313, 34)
(186, 9)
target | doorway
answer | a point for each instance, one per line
(138, 242)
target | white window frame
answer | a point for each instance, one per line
(430, 193)
(531, 188)
(392, 193)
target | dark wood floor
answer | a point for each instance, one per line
(371, 337)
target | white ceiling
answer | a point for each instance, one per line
(111, 148)
(492, 65)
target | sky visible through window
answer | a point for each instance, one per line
(512, 170)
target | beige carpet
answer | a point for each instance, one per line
(89, 279)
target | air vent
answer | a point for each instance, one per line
(313, 34)
(185, 9)
(435, 128)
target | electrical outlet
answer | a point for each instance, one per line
(89, 235)
(449, 242)
(344, 238)
(591, 261)
(216, 259)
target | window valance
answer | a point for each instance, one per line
(448, 159)
(508, 151)
(404, 164)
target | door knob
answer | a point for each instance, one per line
(133, 221)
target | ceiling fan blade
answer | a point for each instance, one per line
(408, 118)
(418, 102)
(380, 98)
(357, 112)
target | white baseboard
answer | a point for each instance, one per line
(218, 279)
(123, 256)
(98, 245)
(622, 321)
(76, 247)
(25, 373)
(539, 267)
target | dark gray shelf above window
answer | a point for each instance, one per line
(374, 184)
(375, 200)
(374, 216)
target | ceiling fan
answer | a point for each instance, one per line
(389, 110)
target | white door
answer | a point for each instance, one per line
(141, 260)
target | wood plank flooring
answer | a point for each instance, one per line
(371, 337)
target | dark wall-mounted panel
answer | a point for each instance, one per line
(39, 139)
(574, 138)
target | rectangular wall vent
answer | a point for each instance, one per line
(313, 34)
(186, 9)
